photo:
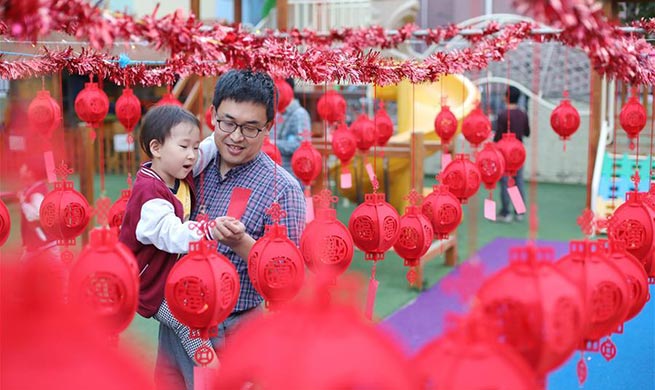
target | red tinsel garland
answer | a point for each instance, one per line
(209, 50)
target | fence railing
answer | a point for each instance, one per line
(322, 15)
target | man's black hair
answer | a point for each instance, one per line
(513, 95)
(159, 121)
(246, 86)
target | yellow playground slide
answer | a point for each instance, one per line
(460, 95)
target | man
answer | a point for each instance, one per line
(243, 111)
(295, 120)
(520, 126)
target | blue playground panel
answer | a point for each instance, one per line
(615, 187)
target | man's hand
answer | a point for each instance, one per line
(228, 231)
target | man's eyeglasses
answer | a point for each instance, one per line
(230, 127)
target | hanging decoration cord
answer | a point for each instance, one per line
(614, 140)
(101, 147)
(652, 130)
(534, 148)
(412, 152)
(509, 64)
(275, 113)
(375, 132)
(324, 158)
(637, 156)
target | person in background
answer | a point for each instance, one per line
(519, 124)
(295, 120)
(36, 241)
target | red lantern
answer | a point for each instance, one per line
(105, 281)
(326, 243)
(443, 210)
(169, 99)
(275, 264)
(513, 151)
(92, 104)
(491, 165)
(565, 119)
(284, 94)
(58, 331)
(202, 288)
(374, 226)
(128, 109)
(331, 107)
(44, 114)
(445, 125)
(415, 236)
(462, 177)
(476, 127)
(635, 275)
(364, 130)
(650, 270)
(383, 126)
(633, 118)
(481, 362)
(208, 119)
(117, 210)
(323, 344)
(5, 223)
(306, 162)
(537, 309)
(632, 226)
(272, 151)
(64, 212)
(649, 197)
(603, 286)
(344, 146)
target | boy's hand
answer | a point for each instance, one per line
(228, 230)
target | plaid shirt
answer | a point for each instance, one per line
(265, 180)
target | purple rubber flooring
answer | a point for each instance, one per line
(423, 319)
(425, 315)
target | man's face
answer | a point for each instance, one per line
(235, 148)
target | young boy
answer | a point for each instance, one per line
(156, 226)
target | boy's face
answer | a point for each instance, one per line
(174, 158)
(234, 148)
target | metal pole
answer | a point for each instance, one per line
(488, 7)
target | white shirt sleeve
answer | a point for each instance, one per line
(159, 226)
(32, 206)
(206, 152)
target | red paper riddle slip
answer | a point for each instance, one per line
(490, 209)
(238, 202)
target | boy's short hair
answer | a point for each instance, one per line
(159, 121)
(513, 94)
(246, 86)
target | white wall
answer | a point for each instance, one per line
(554, 165)
(140, 8)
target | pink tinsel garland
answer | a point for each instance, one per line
(340, 55)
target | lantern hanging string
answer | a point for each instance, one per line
(533, 226)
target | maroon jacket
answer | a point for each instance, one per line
(155, 264)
